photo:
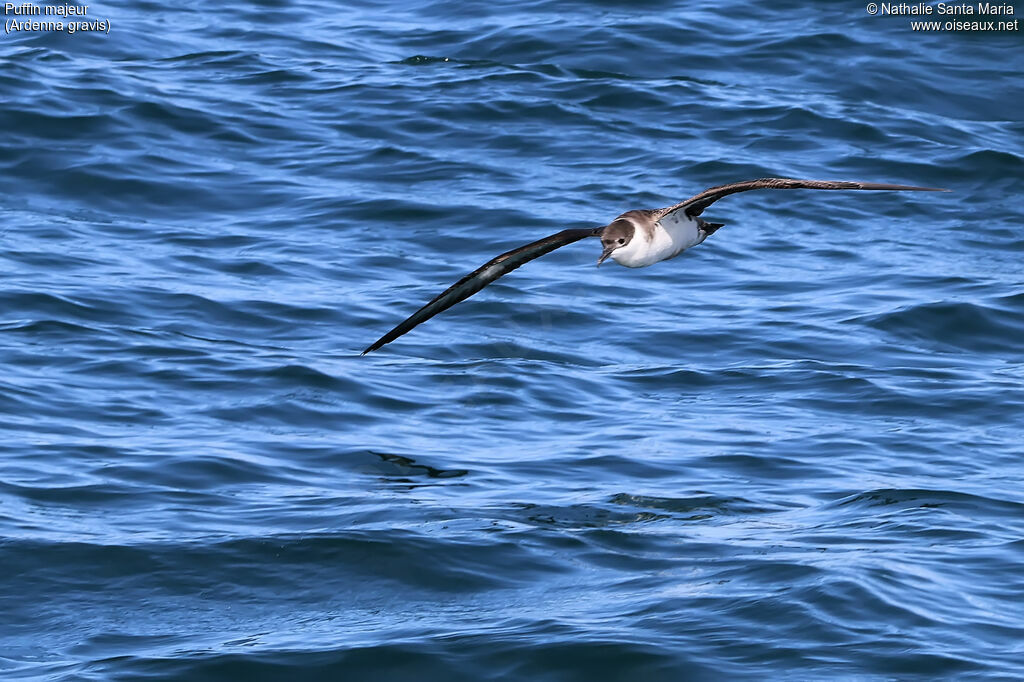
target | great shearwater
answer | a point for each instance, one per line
(635, 239)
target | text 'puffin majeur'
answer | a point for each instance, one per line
(64, 18)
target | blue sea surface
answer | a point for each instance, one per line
(794, 452)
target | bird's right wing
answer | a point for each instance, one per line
(484, 275)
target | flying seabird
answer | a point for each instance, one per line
(635, 239)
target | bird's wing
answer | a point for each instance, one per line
(694, 206)
(484, 275)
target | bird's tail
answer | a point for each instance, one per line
(709, 228)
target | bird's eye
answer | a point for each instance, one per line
(622, 241)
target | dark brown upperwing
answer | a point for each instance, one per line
(694, 206)
(484, 275)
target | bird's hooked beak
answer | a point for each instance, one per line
(606, 252)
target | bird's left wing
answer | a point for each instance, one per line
(695, 205)
(484, 275)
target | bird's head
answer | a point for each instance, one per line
(615, 236)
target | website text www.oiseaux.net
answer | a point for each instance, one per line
(943, 16)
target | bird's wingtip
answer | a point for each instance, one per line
(918, 188)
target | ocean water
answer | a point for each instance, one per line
(796, 451)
